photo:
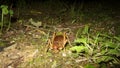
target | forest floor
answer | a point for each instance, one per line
(25, 44)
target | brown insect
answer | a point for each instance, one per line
(58, 42)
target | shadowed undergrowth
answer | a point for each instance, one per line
(93, 30)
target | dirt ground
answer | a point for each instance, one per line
(25, 44)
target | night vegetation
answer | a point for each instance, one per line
(59, 34)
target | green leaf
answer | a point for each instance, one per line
(96, 38)
(110, 44)
(81, 40)
(114, 52)
(89, 66)
(4, 11)
(104, 59)
(11, 12)
(4, 6)
(86, 30)
(103, 52)
(117, 38)
(78, 49)
(75, 55)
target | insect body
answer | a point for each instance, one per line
(58, 42)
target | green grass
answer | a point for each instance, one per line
(97, 48)
(96, 43)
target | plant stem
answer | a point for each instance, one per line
(2, 22)
(9, 24)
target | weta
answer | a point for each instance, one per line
(58, 42)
